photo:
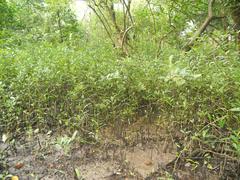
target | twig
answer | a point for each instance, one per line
(222, 155)
(124, 36)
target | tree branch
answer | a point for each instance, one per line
(124, 36)
(203, 27)
(104, 25)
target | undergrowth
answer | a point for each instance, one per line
(47, 85)
(54, 87)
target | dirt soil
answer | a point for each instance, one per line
(141, 151)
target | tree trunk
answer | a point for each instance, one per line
(59, 25)
(203, 27)
(236, 19)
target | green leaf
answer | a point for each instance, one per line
(235, 109)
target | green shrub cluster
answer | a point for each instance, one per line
(46, 85)
(56, 73)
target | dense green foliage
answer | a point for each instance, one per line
(61, 76)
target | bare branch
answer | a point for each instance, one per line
(125, 35)
(128, 7)
(153, 17)
(103, 23)
(203, 27)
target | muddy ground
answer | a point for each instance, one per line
(141, 151)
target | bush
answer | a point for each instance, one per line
(48, 85)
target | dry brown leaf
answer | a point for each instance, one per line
(148, 163)
(19, 165)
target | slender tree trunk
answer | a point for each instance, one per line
(203, 27)
(236, 19)
(104, 24)
(59, 25)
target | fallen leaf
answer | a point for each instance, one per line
(235, 109)
(4, 138)
(77, 174)
(148, 163)
(36, 131)
(188, 164)
(19, 165)
(14, 178)
(209, 166)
